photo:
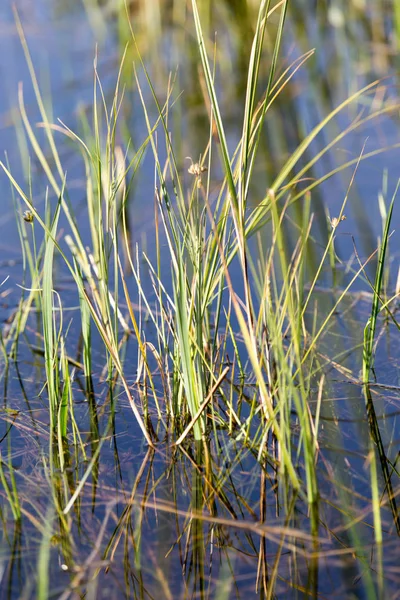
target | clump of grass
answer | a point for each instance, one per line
(202, 250)
(211, 295)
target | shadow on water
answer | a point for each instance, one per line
(98, 514)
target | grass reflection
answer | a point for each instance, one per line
(210, 428)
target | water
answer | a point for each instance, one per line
(130, 533)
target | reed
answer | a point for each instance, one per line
(223, 312)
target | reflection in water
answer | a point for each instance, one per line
(187, 524)
(205, 519)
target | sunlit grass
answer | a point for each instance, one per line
(227, 336)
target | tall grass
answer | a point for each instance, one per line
(212, 295)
